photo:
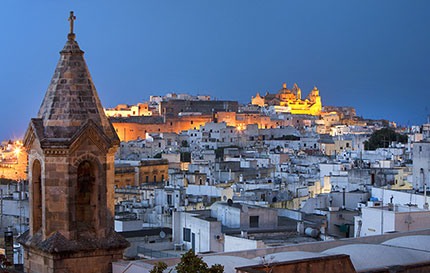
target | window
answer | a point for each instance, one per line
(187, 234)
(85, 197)
(37, 196)
(155, 178)
(162, 177)
(169, 200)
(253, 221)
(147, 179)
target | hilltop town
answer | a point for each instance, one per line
(280, 182)
(278, 171)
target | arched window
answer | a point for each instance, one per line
(36, 179)
(85, 201)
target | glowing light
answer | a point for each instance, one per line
(17, 151)
(240, 127)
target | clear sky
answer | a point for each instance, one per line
(372, 55)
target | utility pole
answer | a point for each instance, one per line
(382, 213)
(20, 205)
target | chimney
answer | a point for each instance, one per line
(343, 198)
(8, 245)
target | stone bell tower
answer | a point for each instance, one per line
(71, 146)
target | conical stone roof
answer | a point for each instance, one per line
(71, 99)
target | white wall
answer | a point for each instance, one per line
(232, 243)
(204, 190)
(121, 226)
(204, 231)
(401, 198)
(421, 160)
(373, 219)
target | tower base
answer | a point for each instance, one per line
(59, 255)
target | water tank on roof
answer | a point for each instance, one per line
(311, 232)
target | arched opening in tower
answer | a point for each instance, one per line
(85, 203)
(36, 180)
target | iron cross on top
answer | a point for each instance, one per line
(71, 19)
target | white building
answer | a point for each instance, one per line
(421, 165)
(198, 231)
(392, 218)
(245, 217)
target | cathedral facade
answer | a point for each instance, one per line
(291, 99)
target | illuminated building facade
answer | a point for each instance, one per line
(124, 110)
(292, 100)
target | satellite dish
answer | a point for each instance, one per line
(162, 234)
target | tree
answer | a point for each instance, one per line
(159, 267)
(382, 139)
(190, 262)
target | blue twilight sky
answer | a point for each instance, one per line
(372, 55)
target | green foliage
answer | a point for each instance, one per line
(190, 262)
(216, 268)
(157, 155)
(159, 267)
(382, 139)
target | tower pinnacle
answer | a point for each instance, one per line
(72, 18)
